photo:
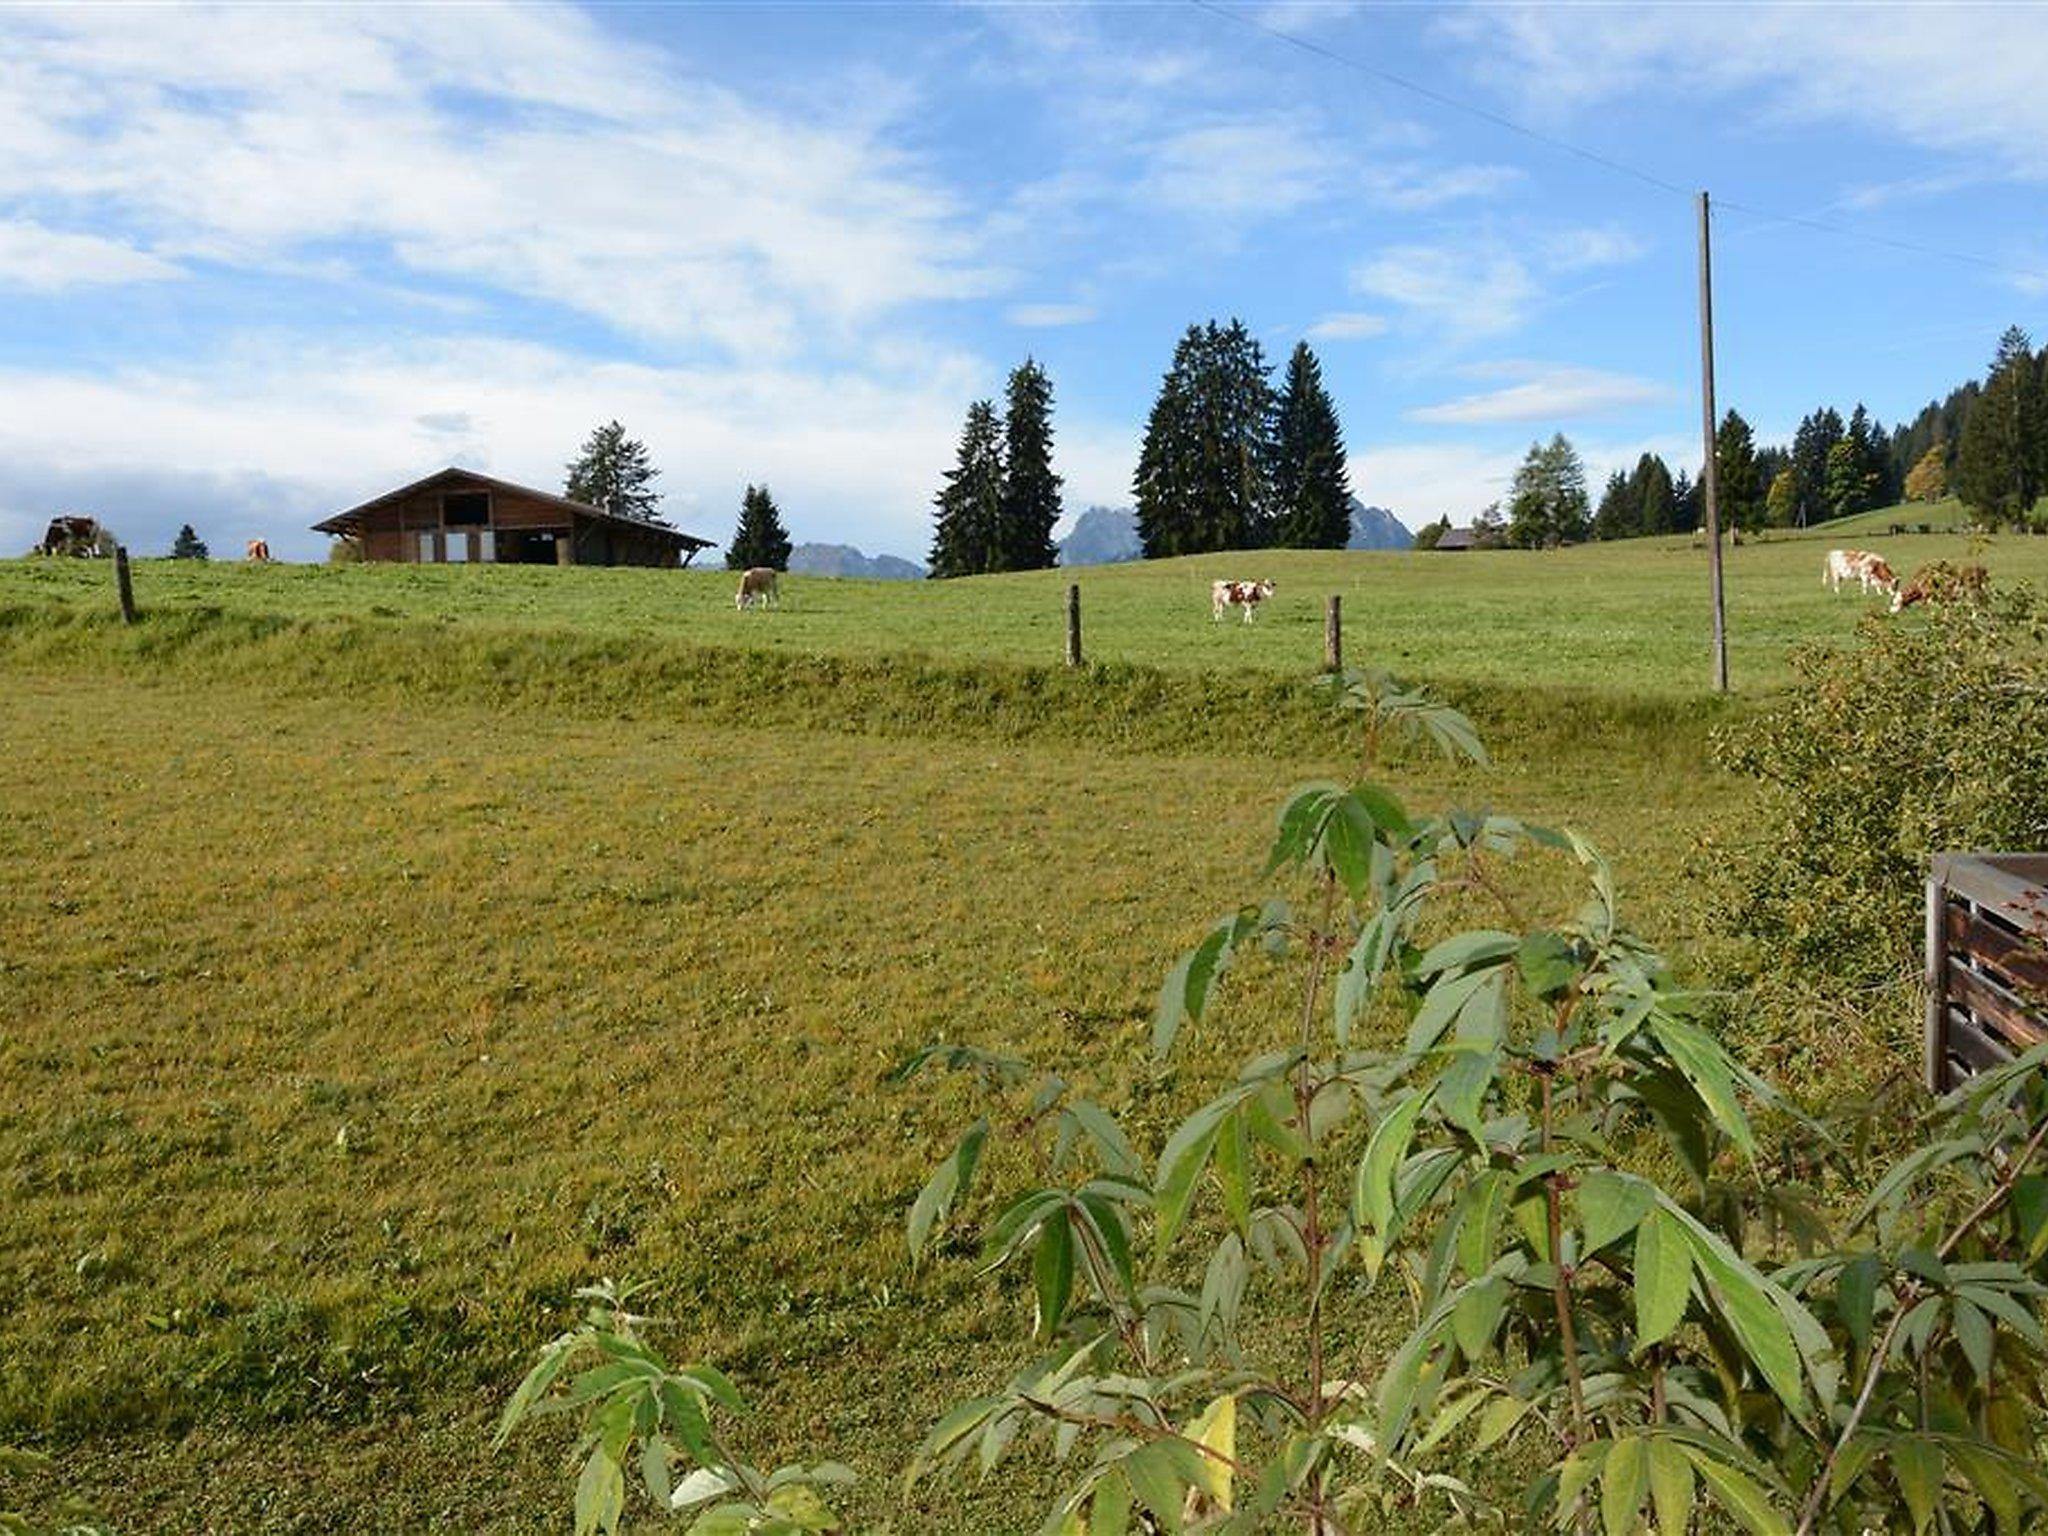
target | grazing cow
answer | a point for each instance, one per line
(1860, 566)
(1941, 582)
(82, 537)
(1225, 595)
(757, 585)
(257, 550)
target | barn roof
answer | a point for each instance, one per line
(1458, 538)
(351, 520)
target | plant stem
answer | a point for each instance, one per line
(1903, 1303)
(1311, 1196)
(1560, 1285)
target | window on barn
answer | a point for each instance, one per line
(427, 547)
(466, 509)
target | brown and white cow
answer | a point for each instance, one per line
(1941, 582)
(757, 585)
(1226, 595)
(1860, 566)
(257, 550)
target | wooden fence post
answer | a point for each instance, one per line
(1333, 635)
(1937, 978)
(122, 584)
(1073, 624)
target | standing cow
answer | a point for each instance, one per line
(1226, 595)
(757, 585)
(257, 550)
(1860, 566)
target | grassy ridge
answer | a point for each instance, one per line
(1625, 619)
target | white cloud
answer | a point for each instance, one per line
(45, 260)
(469, 144)
(1236, 170)
(1546, 393)
(1348, 325)
(1050, 315)
(1416, 188)
(1469, 293)
(1420, 482)
(1580, 250)
(1958, 78)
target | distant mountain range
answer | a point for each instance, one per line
(845, 560)
(1106, 535)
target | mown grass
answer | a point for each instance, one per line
(1629, 620)
(345, 1026)
(384, 952)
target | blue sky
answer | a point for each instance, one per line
(257, 263)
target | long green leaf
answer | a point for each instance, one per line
(1052, 1274)
(1623, 1481)
(1705, 1065)
(1742, 1497)
(1663, 1277)
(1373, 1196)
(1671, 1483)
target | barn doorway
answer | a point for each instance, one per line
(529, 546)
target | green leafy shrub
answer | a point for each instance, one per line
(1924, 737)
(1554, 1181)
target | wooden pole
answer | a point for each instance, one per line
(1937, 977)
(1711, 475)
(1333, 635)
(123, 585)
(1074, 624)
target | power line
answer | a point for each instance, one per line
(1605, 162)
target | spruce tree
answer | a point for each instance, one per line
(1742, 501)
(1031, 491)
(1619, 515)
(1651, 490)
(2000, 469)
(1688, 502)
(968, 538)
(1311, 483)
(1203, 478)
(1850, 484)
(188, 545)
(613, 473)
(1817, 434)
(760, 538)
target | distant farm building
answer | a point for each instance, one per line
(459, 517)
(1458, 538)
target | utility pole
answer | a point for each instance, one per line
(1711, 476)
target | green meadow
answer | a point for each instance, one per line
(386, 951)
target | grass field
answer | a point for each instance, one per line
(1629, 619)
(352, 1009)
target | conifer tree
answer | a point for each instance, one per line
(1311, 482)
(760, 538)
(968, 538)
(1031, 491)
(1742, 501)
(1619, 515)
(188, 545)
(1651, 491)
(1818, 433)
(1688, 500)
(1547, 503)
(1203, 478)
(1850, 483)
(613, 472)
(2000, 469)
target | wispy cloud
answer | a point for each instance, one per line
(1582, 249)
(1348, 325)
(458, 145)
(1546, 393)
(1046, 316)
(1235, 170)
(1467, 293)
(45, 260)
(1418, 188)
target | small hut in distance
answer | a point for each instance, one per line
(459, 517)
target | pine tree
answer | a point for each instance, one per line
(1429, 535)
(1688, 503)
(1650, 487)
(613, 472)
(1817, 434)
(1928, 479)
(1781, 502)
(1031, 491)
(1311, 484)
(188, 545)
(760, 538)
(1741, 497)
(1620, 514)
(1873, 458)
(1203, 478)
(1547, 504)
(2000, 470)
(1850, 484)
(968, 537)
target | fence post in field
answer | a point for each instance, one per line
(1073, 624)
(1333, 635)
(123, 585)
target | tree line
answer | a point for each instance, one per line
(616, 472)
(1001, 499)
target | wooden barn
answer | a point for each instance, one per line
(460, 517)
